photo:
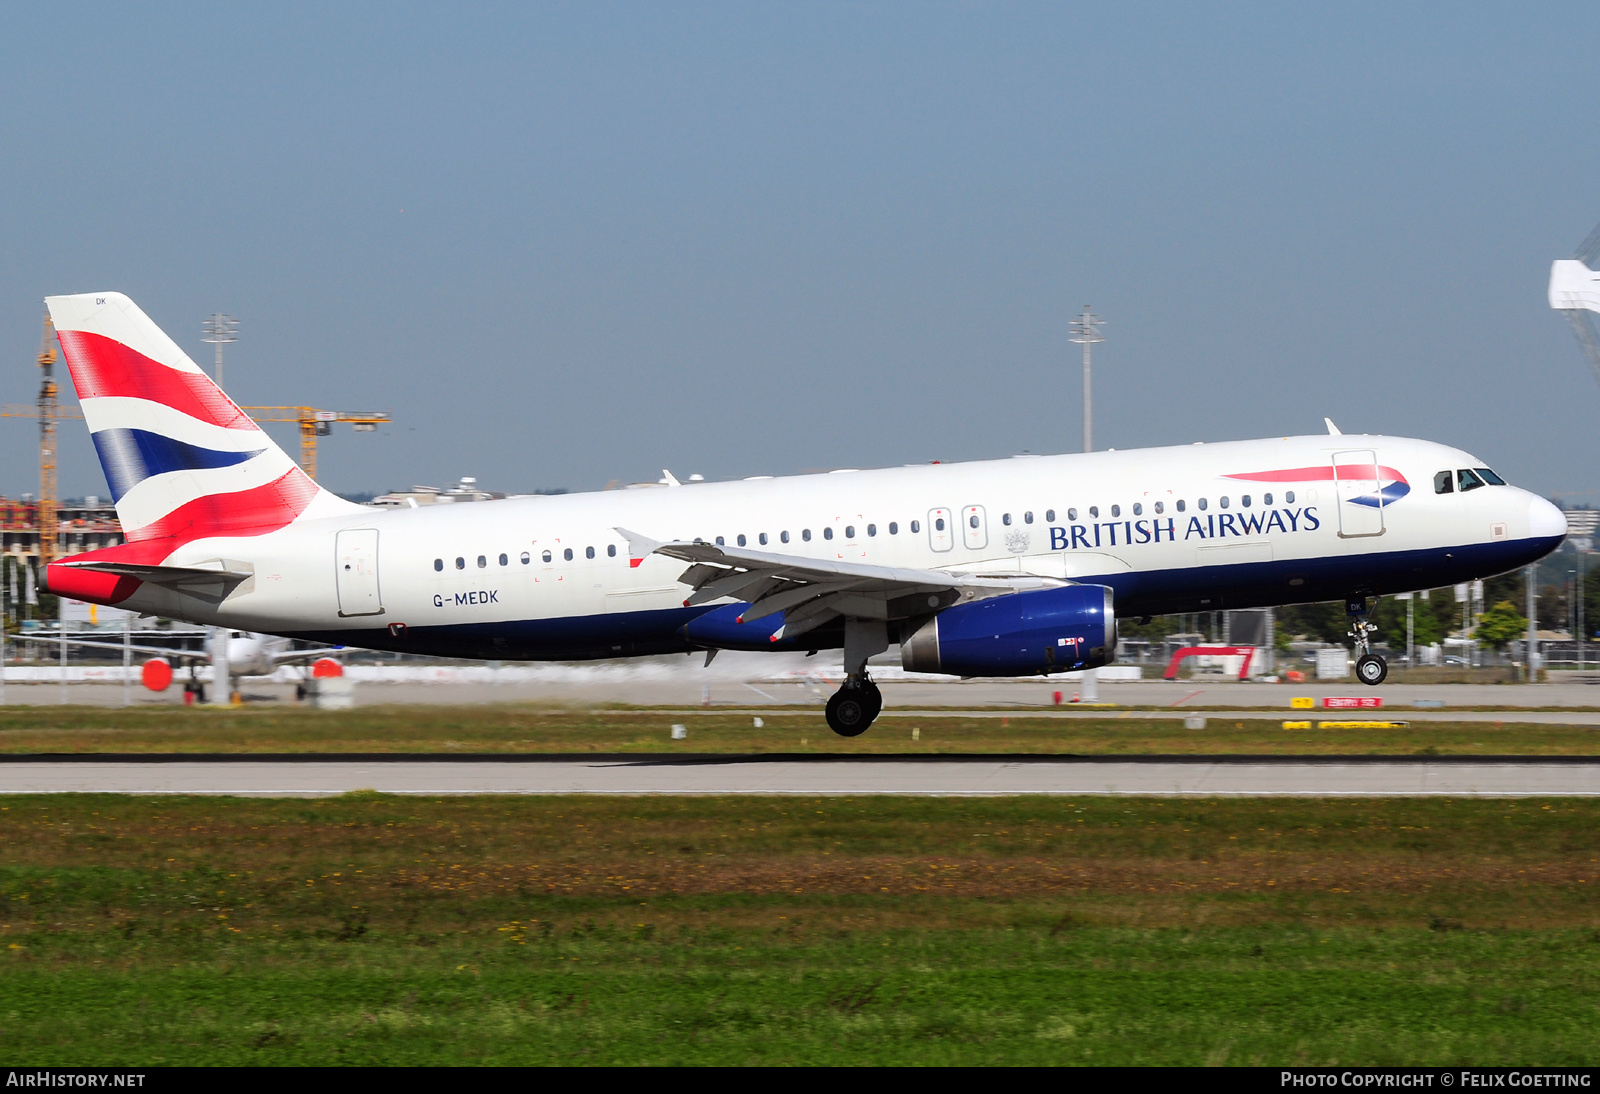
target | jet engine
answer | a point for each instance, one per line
(1019, 634)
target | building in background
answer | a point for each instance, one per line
(86, 524)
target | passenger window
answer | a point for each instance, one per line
(1138, 509)
(1182, 505)
(1266, 499)
(1244, 502)
(1005, 519)
(827, 533)
(763, 538)
(719, 544)
(588, 552)
(482, 562)
(916, 526)
(740, 540)
(894, 528)
(938, 525)
(783, 536)
(1094, 511)
(1027, 518)
(1202, 504)
(546, 556)
(805, 534)
(567, 554)
(611, 551)
(1072, 514)
(872, 530)
(1467, 480)
(1288, 497)
(504, 560)
(973, 520)
(1160, 508)
(1223, 501)
(438, 564)
(461, 563)
(1050, 516)
(849, 531)
(1116, 510)
(526, 558)
(1490, 477)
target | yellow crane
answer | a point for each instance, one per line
(313, 423)
(47, 412)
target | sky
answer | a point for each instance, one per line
(570, 244)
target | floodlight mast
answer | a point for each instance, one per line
(219, 330)
(1086, 331)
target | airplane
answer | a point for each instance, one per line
(1010, 567)
(247, 654)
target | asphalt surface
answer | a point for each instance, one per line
(313, 776)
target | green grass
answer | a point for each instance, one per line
(528, 728)
(375, 929)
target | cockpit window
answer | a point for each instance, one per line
(1489, 476)
(1468, 480)
(1444, 483)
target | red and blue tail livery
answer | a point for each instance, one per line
(181, 460)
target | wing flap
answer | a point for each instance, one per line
(809, 592)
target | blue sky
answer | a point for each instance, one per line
(566, 244)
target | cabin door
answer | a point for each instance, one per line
(1359, 489)
(356, 563)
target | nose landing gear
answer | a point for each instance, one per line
(1371, 669)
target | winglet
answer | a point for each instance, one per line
(669, 478)
(1333, 430)
(639, 547)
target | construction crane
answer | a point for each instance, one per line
(47, 412)
(313, 423)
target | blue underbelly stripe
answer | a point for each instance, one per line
(1154, 592)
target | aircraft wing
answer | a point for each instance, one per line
(810, 591)
(154, 651)
(289, 657)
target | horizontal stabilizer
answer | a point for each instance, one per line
(163, 575)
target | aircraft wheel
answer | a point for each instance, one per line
(1371, 669)
(874, 698)
(852, 710)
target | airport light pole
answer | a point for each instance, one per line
(219, 330)
(1531, 655)
(1086, 332)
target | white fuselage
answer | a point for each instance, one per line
(1169, 529)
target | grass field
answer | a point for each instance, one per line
(371, 929)
(535, 729)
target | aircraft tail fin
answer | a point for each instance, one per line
(181, 460)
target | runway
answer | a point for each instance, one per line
(318, 776)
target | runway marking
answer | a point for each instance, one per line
(833, 776)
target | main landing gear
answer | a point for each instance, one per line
(1371, 669)
(857, 704)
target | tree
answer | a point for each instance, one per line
(1500, 624)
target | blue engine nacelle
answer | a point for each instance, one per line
(1018, 634)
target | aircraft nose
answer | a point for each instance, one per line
(1545, 521)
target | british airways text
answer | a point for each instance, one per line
(1124, 533)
